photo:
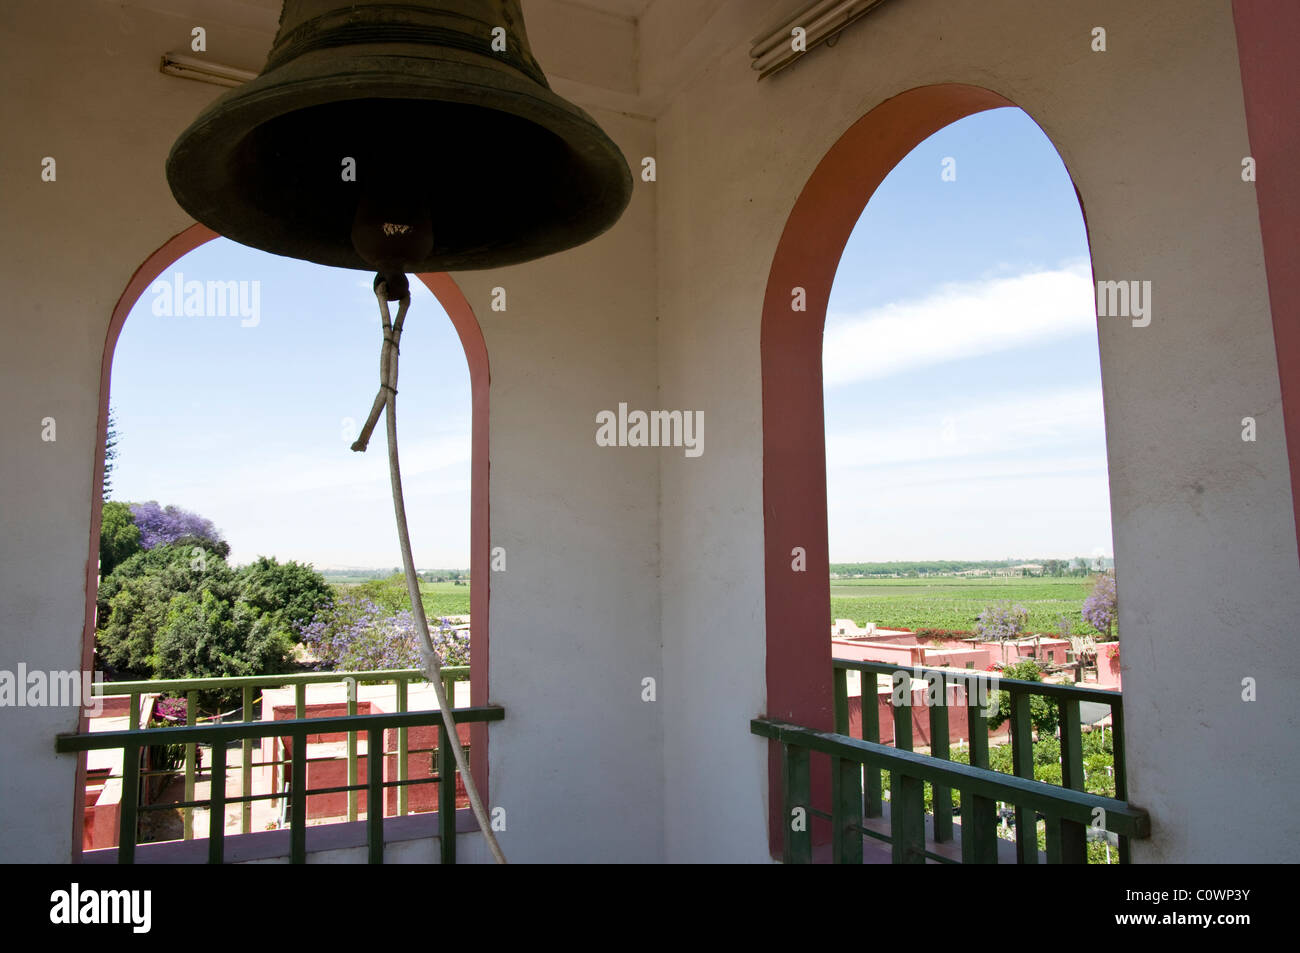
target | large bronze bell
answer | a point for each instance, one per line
(394, 137)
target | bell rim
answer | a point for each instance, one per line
(208, 142)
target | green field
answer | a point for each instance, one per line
(954, 602)
(440, 598)
(945, 602)
(444, 598)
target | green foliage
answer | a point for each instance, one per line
(439, 598)
(389, 593)
(119, 537)
(179, 611)
(1044, 713)
(289, 593)
(1097, 742)
(209, 634)
(1047, 751)
(110, 455)
(134, 599)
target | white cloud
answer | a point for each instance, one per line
(957, 322)
(331, 505)
(1033, 422)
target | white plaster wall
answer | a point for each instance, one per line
(576, 763)
(575, 627)
(627, 563)
(1153, 131)
(83, 87)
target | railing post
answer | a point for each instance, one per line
(375, 794)
(403, 763)
(246, 767)
(352, 750)
(977, 725)
(841, 683)
(902, 725)
(1072, 835)
(907, 818)
(217, 805)
(298, 800)
(1066, 841)
(446, 797)
(846, 812)
(130, 801)
(979, 829)
(1071, 744)
(1022, 759)
(191, 754)
(979, 823)
(797, 842)
(872, 788)
(939, 748)
(133, 715)
(1121, 769)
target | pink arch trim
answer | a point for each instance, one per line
(794, 434)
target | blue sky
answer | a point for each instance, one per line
(963, 387)
(249, 425)
(963, 396)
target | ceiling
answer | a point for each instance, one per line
(624, 8)
(631, 9)
(623, 55)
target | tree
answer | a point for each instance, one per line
(1101, 608)
(1043, 712)
(110, 452)
(179, 611)
(357, 634)
(119, 537)
(1001, 622)
(160, 526)
(289, 594)
(208, 635)
(134, 599)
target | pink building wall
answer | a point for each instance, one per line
(334, 772)
(1108, 668)
(958, 718)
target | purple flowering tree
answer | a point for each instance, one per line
(1001, 622)
(1101, 607)
(162, 525)
(172, 710)
(356, 635)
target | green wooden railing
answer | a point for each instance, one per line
(131, 742)
(249, 685)
(856, 766)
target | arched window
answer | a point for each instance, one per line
(261, 371)
(962, 384)
(799, 673)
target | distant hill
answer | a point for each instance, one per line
(367, 575)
